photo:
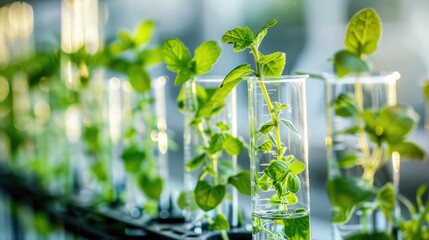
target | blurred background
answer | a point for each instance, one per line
(309, 31)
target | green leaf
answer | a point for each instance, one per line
(348, 160)
(91, 136)
(176, 55)
(263, 32)
(195, 162)
(346, 62)
(151, 186)
(207, 196)
(266, 146)
(232, 145)
(144, 32)
(426, 91)
(345, 105)
(218, 98)
(181, 200)
(206, 56)
(219, 223)
(99, 170)
(274, 67)
(126, 41)
(237, 73)
(369, 236)
(291, 198)
(277, 170)
(133, 158)
(264, 183)
(271, 57)
(242, 38)
(241, 181)
(290, 126)
(297, 167)
(293, 183)
(363, 32)
(216, 143)
(186, 201)
(150, 57)
(397, 121)
(274, 200)
(222, 126)
(266, 127)
(297, 228)
(407, 150)
(139, 79)
(345, 194)
(386, 200)
(183, 76)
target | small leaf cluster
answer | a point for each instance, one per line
(128, 54)
(266, 65)
(362, 38)
(390, 125)
(178, 59)
(417, 226)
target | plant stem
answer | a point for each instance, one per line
(267, 99)
(373, 164)
(363, 142)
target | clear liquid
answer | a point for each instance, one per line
(292, 225)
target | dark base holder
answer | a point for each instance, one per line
(95, 223)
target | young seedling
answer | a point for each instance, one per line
(283, 170)
(381, 133)
(216, 137)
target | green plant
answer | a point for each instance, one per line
(381, 132)
(282, 173)
(129, 55)
(216, 137)
(417, 225)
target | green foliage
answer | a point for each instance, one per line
(297, 228)
(151, 185)
(178, 59)
(348, 160)
(417, 225)
(386, 200)
(219, 223)
(232, 145)
(207, 196)
(363, 32)
(241, 182)
(195, 162)
(133, 158)
(345, 105)
(362, 38)
(345, 194)
(346, 62)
